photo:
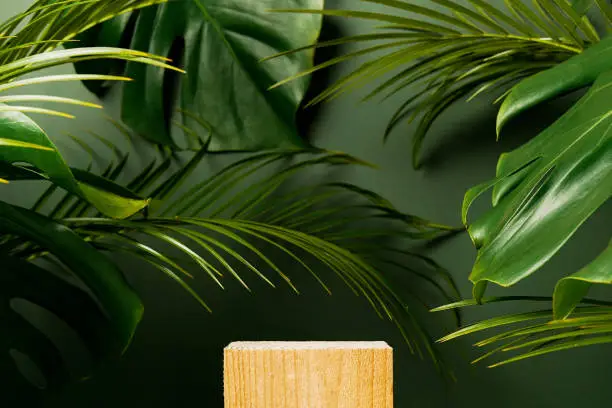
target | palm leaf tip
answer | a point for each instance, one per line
(538, 332)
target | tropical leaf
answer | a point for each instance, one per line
(26, 65)
(28, 40)
(582, 6)
(27, 45)
(543, 192)
(219, 43)
(112, 195)
(24, 281)
(227, 225)
(459, 51)
(98, 273)
(51, 165)
(221, 225)
(536, 333)
(22, 145)
(48, 23)
(572, 289)
(545, 189)
(606, 10)
(578, 72)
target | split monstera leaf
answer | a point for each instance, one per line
(220, 43)
(544, 191)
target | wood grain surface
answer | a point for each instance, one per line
(308, 375)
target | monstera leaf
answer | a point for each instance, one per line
(96, 272)
(19, 128)
(220, 44)
(105, 321)
(543, 193)
(574, 320)
(572, 289)
(548, 187)
(23, 281)
(579, 71)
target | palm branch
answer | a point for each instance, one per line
(448, 51)
(28, 41)
(535, 333)
(220, 225)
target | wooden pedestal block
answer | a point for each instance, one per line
(308, 375)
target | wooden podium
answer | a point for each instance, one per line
(308, 375)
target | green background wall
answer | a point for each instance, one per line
(176, 358)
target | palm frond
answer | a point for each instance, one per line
(48, 23)
(224, 225)
(460, 51)
(59, 78)
(9, 72)
(233, 222)
(525, 335)
(29, 40)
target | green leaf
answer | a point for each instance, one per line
(606, 10)
(24, 145)
(109, 199)
(473, 193)
(483, 301)
(427, 12)
(577, 72)
(582, 6)
(586, 326)
(496, 322)
(497, 299)
(33, 63)
(220, 44)
(403, 22)
(448, 53)
(25, 281)
(558, 347)
(572, 289)
(96, 271)
(48, 23)
(566, 176)
(236, 222)
(494, 13)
